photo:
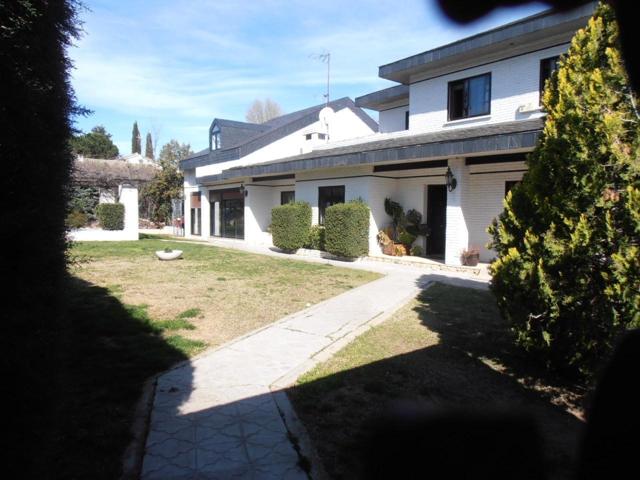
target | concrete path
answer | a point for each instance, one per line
(217, 416)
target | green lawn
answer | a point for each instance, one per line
(232, 292)
(449, 347)
(130, 316)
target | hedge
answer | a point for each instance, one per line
(316, 238)
(290, 225)
(111, 216)
(347, 229)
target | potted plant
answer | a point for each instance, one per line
(470, 256)
(385, 241)
(168, 254)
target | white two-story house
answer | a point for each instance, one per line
(453, 133)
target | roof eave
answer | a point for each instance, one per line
(546, 29)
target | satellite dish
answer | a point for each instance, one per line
(325, 115)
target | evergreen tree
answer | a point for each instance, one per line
(568, 241)
(148, 149)
(95, 144)
(37, 105)
(156, 196)
(136, 144)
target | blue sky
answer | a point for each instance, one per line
(175, 65)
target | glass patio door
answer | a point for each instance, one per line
(232, 222)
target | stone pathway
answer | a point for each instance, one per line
(215, 417)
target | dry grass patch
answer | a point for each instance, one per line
(448, 347)
(233, 292)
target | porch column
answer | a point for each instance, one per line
(457, 234)
(205, 227)
(129, 198)
(187, 213)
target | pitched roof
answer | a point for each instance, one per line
(269, 132)
(504, 137)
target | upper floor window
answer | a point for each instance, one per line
(470, 97)
(215, 138)
(406, 120)
(328, 196)
(547, 67)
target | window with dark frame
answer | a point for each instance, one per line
(287, 197)
(509, 184)
(470, 97)
(406, 120)
(547, 67)
(215, 138)
(328, 196)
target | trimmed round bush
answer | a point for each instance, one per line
(290, 225)
(111, 216)
(316, 238)
(347, 229)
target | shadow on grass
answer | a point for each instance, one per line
(467, 365)
(107, 354)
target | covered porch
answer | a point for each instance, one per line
(483, 162)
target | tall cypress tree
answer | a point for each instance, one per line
(136, 144)
(37, 103)
(148, 148)
(568, 269)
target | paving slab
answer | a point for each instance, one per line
(216, 417)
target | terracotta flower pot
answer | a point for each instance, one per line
(472, 259)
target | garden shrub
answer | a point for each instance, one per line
(77, 219)
(406, 238)
(316, 238)
(347, 229)
(290, 225)
(111, 216)
(417, 251)
(567, 275)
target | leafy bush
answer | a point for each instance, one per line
(84, 199)
(347, 229)
(417, 251)
(406, 238)
(316, 238)
(111, 216)
(414, 219)
(290, 225)
(567, 275)
(77, 219)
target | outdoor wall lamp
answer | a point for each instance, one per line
(243, 190)
(450, 180)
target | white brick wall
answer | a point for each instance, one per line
(485, 201)
(514, 82)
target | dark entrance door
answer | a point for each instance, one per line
(232, 213)
(436, 219)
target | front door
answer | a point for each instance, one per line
(436, 219)
(232, 223)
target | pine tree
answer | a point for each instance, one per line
(148, 149)
(568, 269)
(136, 145)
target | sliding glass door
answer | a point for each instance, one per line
(227, 213)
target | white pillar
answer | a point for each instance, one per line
(129, 198)
(457, 235)
(205, 228)
(187, 212)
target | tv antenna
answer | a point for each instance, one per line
(325, 58)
